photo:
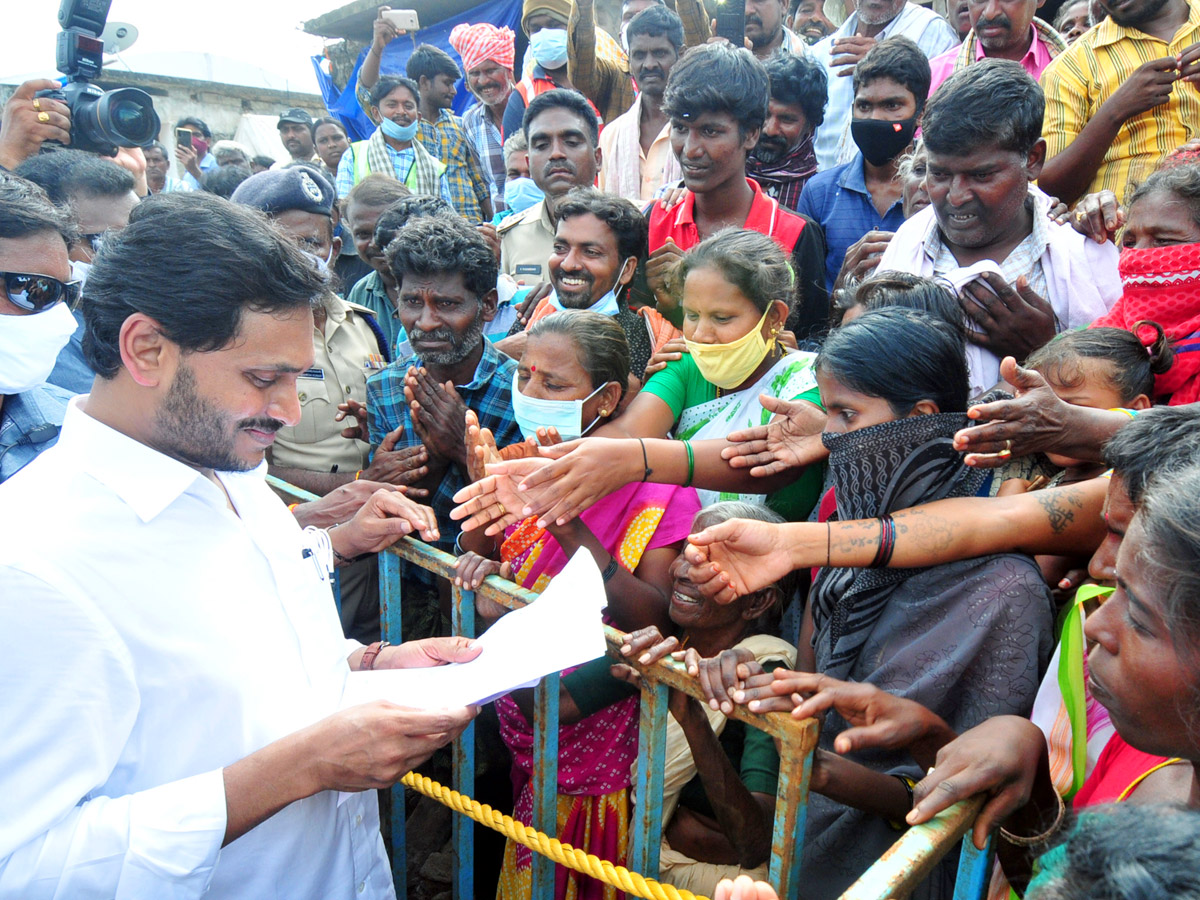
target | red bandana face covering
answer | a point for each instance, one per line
(1163, 284)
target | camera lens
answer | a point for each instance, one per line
(127, 116)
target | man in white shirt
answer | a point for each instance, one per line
(873, 21)
(187, 742)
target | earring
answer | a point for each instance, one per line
(604, 412)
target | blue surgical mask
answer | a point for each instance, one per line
(399, 132)
(606, 305)
(521, 193)
(549, 47)
(565, 415)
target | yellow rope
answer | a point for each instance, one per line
(539, 842)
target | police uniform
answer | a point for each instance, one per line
(345, 352)
(526, 242)
(346, 349)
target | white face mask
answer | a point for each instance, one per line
(29, 346)
(532, 413)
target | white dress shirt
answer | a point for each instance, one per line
(928, 30)
(148, 638)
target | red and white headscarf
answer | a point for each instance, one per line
(481, 41)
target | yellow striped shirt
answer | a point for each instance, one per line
(1089, 72)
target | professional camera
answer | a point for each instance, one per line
(101, 121)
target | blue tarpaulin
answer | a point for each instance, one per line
(343, 104)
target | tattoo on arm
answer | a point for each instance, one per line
(932, 533)
(1060, 507)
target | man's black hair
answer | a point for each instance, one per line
(624, 219)
(561, 98)
(195, 123)
(1158, 443)
(428, 61)
(901, 60)
(443, 245)
(398, 214)
(799, 80)
(64, 174)
(224, 180)
(388, 83)
(992, 102)
(265, 161)
(657, 21)
(26, 210)
(235, 261)
(716, 78)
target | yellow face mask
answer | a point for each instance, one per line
(728, 365)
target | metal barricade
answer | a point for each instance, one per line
(895, 875)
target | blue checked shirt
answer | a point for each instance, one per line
(488, 144)
(489, 394)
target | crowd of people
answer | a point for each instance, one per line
(863, 360)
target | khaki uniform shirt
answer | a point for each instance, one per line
(344, 354)
(526, 242)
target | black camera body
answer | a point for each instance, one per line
(101, 121)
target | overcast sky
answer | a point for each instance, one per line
(264, 33)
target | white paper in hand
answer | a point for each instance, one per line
(562, 628)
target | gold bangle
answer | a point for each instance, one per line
(1017, 841)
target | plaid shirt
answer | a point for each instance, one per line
(489, 394)
(486, 140)
(464, 180)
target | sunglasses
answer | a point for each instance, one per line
(37, 293)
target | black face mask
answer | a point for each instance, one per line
(880, 141)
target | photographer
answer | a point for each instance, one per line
(30, 121)
(195, 160)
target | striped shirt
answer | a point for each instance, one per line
(1088, 72)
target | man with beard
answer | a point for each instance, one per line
(600, 238)
(446, 280)
(1122, 97)
(295, 133)
(487, 56)
(561, 130)
(982, 133)
(768, 33)
(1001, 29)
(808, 20)
(873, 21)
(636, 146)
(784, 160)
(858, 204)
(206, 665)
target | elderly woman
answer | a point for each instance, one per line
(720, 780)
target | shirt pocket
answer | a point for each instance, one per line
(313, 394)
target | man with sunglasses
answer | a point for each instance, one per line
(35, 293)
(98, 196)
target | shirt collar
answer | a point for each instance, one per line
(1109, 32)
(763, 210)
(852, 176)
(489, 363)
(1039, 236)
(144, 479)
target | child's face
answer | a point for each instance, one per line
(1096, 390)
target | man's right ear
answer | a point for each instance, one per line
(146, 353)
